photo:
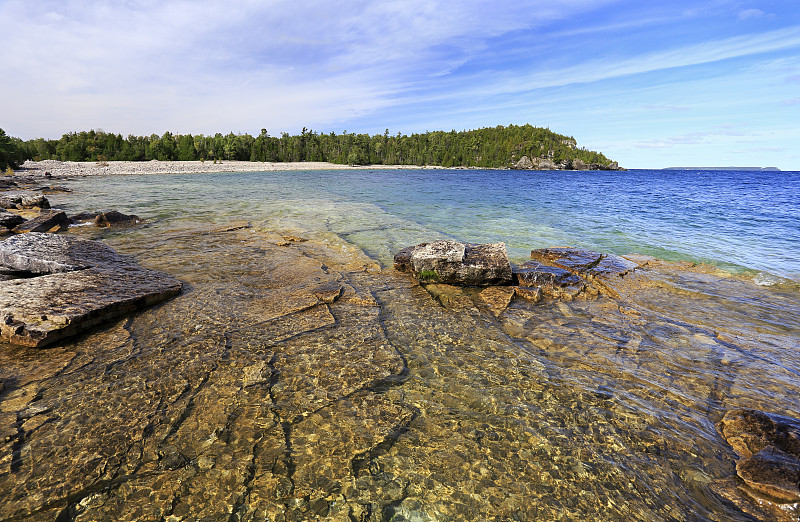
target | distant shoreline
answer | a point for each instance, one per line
(743, 169)
(121, 168)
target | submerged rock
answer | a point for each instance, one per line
(750, 431)
(451, 262)
(534, 273)
(604, 270)
(69, 285)
(584, 261)
(50, 221)
(112, 218)
(769, 449)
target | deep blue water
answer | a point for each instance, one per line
(734, 219)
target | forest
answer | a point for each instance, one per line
(494, 147)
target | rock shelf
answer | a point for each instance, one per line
(294, 379)
(66, 285)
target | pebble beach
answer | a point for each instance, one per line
(112, 168)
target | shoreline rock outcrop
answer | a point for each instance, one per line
(455, 263)
(526, 163)
(111, 218)
(61, 285)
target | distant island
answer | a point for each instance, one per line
(756, 169)
(513, 146)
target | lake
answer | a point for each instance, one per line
(251, 397)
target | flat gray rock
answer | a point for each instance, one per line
(69, 285)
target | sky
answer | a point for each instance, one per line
(649, 84)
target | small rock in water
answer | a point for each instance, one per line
(23, 202)
(772, 472)
(37, 201)
(115, 219)
(750, 431)
(10, 220)
(50, 221)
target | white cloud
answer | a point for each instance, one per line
(280, 62)
(746, 14)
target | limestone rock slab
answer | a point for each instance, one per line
(45, 222)
(455, 263)
(76, 284)
(40, 253)
(584, 261)
(10, 220)
(534, 273)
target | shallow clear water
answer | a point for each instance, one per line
(733, 219)
(247, 398)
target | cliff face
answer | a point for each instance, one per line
(526, 163)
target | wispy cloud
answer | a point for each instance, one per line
(746, 14)
(670, 108)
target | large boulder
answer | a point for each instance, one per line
(769, 449)
(455, 263)
(65, 285)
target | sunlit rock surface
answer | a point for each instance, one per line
(451, 262)
(46, 221)
(67, 285)
(768, 447)
(295, 380)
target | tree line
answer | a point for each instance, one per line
(492, 147)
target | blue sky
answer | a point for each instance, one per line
(650, 84)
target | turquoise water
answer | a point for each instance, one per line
(248, 397)
(732, 219)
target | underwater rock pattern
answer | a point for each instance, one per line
(769, 449)
(301, 382)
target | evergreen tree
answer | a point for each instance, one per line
(8, 152)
